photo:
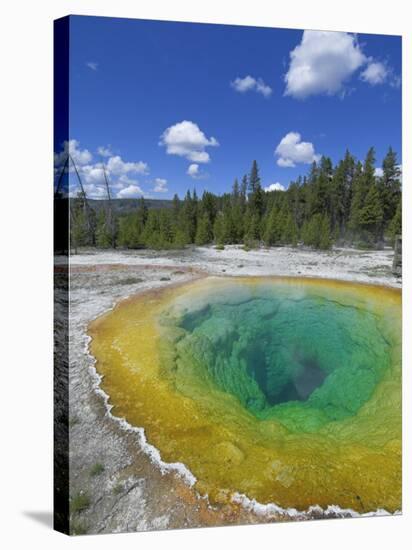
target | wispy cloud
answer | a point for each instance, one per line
(105, 151)
(193, 171)
(160, 185)
(249, 83)
(92, 65)
(378, 72)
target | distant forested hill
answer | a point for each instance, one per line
(125, 206)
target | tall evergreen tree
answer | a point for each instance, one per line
(103, 231)
(371, 215)
(219, 230)
(204, 232)
(395, 226)
(256, 195)
(80, 230)
(364, 180)
(390, 187)
(290, 230)
(273, 228)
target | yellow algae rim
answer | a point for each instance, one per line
(153, 405)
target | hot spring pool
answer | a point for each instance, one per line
(285, 390)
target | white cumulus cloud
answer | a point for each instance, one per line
(94, 191)
(186, 139)
(91, 172)
(71, 147)
(117, 166)
(249, 83)
(291, 150)
(129, 192)
(322, 63)
(104, 151)
(274, 187)
(375, 73)
(193, 170)
(160, 185)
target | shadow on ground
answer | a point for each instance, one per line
(44, 518)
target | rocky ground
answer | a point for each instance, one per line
(340, 263)
(114, 485)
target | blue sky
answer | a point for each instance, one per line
(172, 106)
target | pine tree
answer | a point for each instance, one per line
(342, 194)
(243, 192)
(176, 206)
(316, 232)
(237, 218)
(180, 239)
(252, 235)
(321, 196)
(358, 198)
(79, 230)
(143, 210)
(290, 230)
(295, 203)
(395, 226)
(273, 228)
(166, 229)
(371, 215)
(229, 229)
(189, 216)
(369, 168)
(208, 206)
(204, 233)
(151, 232)
(325, 240)
(256, 196)
(219, 230)
(103, 231)
(364, 180)
(390, 187)
(254, 179)
(235, 192)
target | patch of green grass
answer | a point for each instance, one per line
(78, 528)
(250, 244)
(73, 420)
(117, 489)
(80, 502)
(363, 245)
(96, 469)
(130, 281)
(219, 247)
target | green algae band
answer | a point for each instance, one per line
(285, 390)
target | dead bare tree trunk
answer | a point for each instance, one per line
(110, 217)
(86, 205)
